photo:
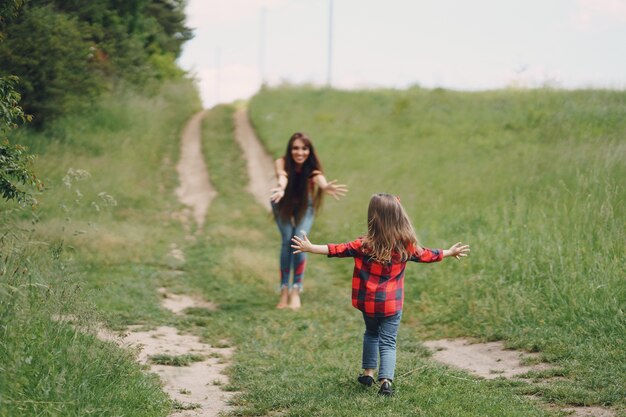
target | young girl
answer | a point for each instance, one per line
(378, 279)
(300, 185)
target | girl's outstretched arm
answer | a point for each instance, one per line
(458, 250)
(303, 244)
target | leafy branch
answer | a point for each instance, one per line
(16, 172)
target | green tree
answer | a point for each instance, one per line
(8, 10)
(66, 51)
(16, 171)
(50, 54)
(15, 163)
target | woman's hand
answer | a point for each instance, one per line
(335, 190)
(277, 194)
(458, 250)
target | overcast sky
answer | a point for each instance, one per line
(459, 44)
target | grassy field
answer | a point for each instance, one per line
(305, 363)
(90, 254)
(533, 180)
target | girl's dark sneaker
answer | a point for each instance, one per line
(366, 380)
(385, 389)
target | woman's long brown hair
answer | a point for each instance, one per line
(295, 200)
(389, 230)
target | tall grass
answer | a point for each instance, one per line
(533, 180)
(51, 365)
(89, 256)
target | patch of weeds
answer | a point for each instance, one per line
(177, 405)
(175, 360)
(184, 391)
(190, 321)
(546, 373)
(217, 382)
(507, 383)
(198, 311)
(221, 344)
(530, 360)
(414, 346)
(215, 355)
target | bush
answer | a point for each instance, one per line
(50, 53)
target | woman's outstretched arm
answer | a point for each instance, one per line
(278, 192)
(330, 187)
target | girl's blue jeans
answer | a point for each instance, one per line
(288, 261)
(380, 340)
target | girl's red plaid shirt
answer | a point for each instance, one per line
(378, 288)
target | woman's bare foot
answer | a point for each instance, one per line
(284, 298)
(294, 299)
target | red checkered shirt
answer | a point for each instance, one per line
(377, 288)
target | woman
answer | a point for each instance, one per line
(301, 184)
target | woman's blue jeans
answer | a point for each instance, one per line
(380, 340)
(288, 261)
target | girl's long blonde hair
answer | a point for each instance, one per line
(389, 230)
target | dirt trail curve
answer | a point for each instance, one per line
(195, 189)
(195, 388)
(259, 162)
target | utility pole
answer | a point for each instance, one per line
(262, 46)
(217, 75)
(330, 44)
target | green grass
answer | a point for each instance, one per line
(89, 256)
(533, 180)
(304, 363)
(175, 360)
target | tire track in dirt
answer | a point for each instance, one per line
(259, 163)
(195, 190)
(194, 388)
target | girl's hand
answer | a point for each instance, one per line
(459, 250)
(301, 244)
(335, 190)
(277, 195)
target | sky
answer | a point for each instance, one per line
(455, 44)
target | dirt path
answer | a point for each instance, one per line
(259, 162)
(195, 388)
(195, 190)
(491, 360)
(487, 360)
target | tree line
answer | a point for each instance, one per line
(57, 56)
(66, 52)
